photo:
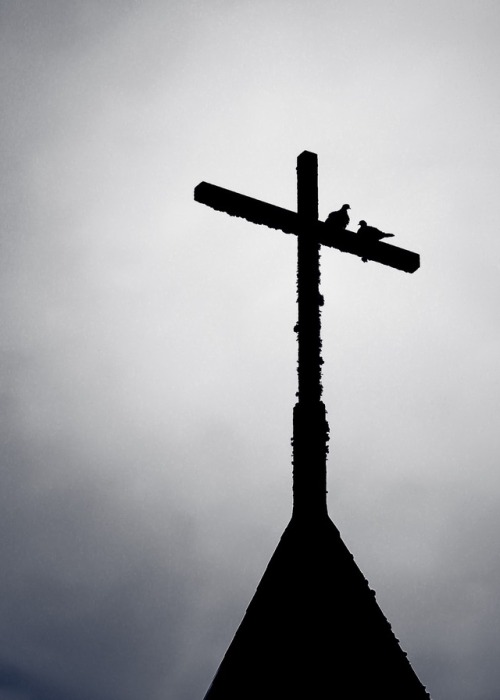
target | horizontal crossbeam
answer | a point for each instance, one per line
(246, 207)
(265, 214)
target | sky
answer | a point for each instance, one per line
(147, 352)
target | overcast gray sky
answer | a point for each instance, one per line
(147, 348)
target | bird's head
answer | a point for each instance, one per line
(345, 206)
(362, 222)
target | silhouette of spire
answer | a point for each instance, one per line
(313, 628)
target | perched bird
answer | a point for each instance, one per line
(370, 233)
(338, 220)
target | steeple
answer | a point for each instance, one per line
(313, 628)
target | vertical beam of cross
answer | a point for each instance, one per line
(310, 428)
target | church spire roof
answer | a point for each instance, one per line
(313, 628)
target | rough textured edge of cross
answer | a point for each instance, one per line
(272, 216)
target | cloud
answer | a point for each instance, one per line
(148, 357)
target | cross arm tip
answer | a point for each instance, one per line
(307, 155)
(198, 191)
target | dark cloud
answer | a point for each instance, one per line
(95, 597)
(147, 354)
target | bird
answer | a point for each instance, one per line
(338, 220)
(370, 233)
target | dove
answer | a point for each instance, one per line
(338, 220)
(370, 233)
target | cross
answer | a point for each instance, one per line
(310, 426)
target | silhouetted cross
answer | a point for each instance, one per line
(310, 427)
